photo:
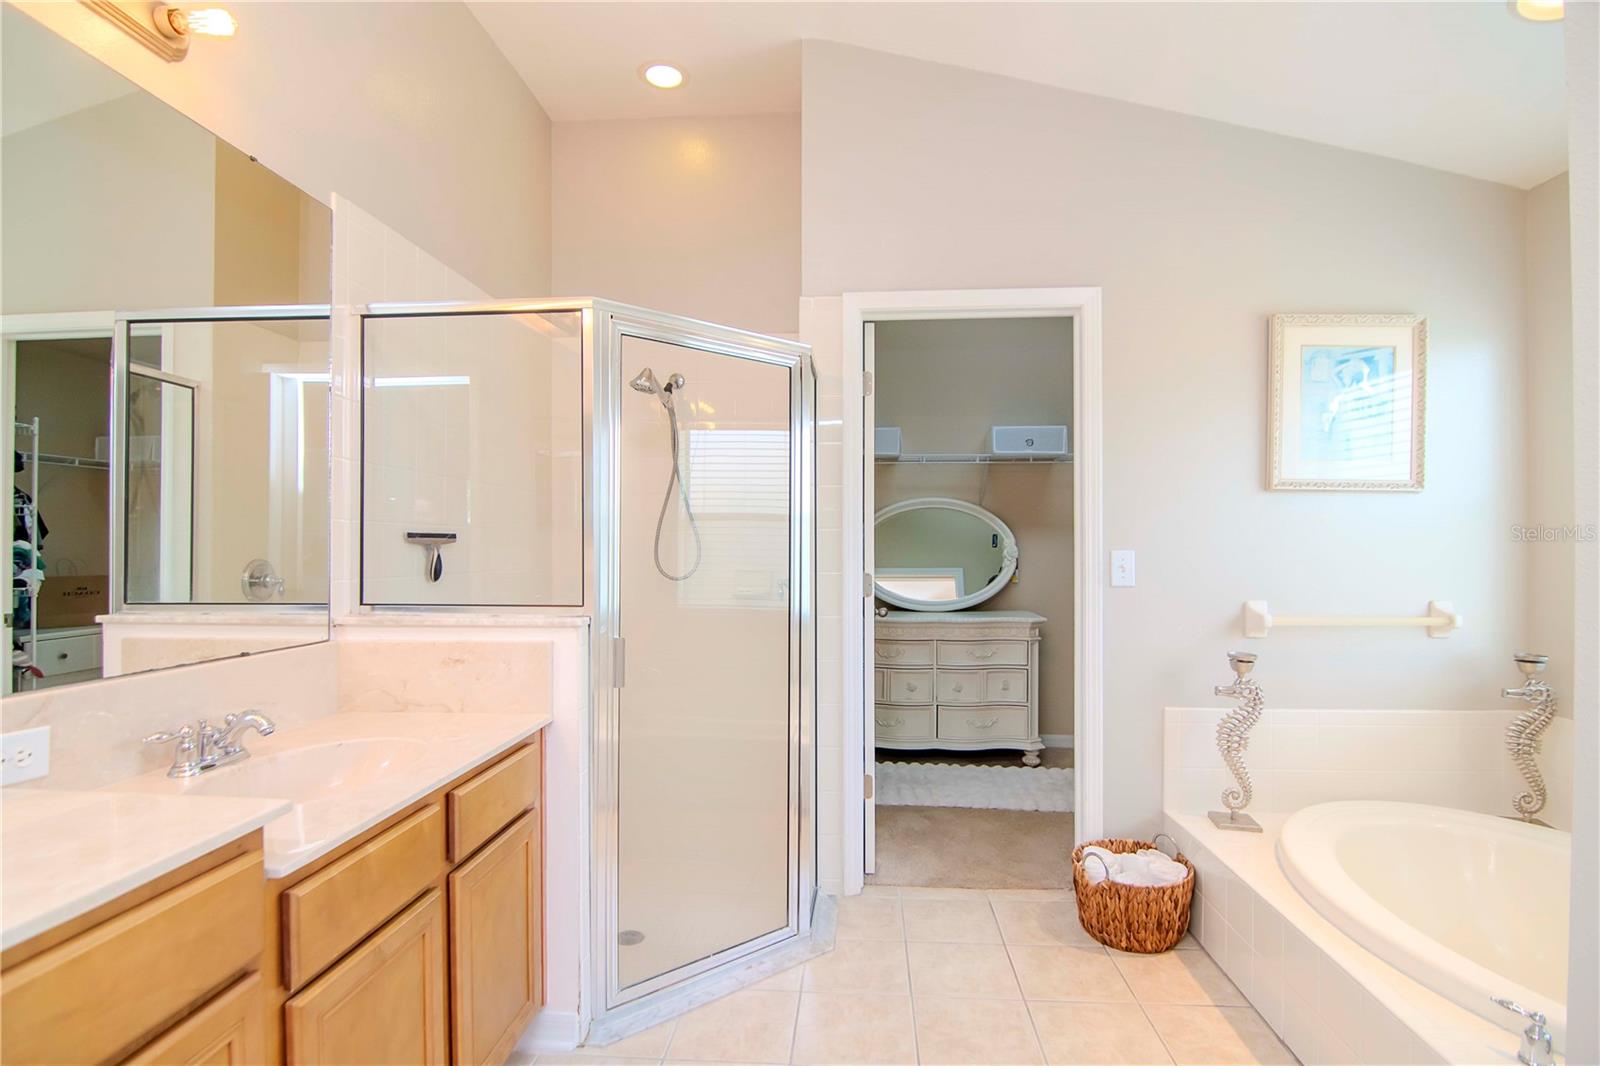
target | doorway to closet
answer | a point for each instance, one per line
(972, 665)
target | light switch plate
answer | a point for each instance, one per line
(24, 755)
(1122, 569)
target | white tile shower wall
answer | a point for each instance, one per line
(822, 326)
(95, 727)
(1300, 757)
(371, 263)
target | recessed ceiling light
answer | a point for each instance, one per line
(1540, 10)
(662, 75)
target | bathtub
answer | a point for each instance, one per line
(1470, 905)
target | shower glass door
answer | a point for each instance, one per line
(707, 714)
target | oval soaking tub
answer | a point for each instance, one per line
(1470, 905)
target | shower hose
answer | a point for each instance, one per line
(666, 502)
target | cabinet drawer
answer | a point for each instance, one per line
(960, 686)
(329, 912)
(910, 686)
(384, 1002)
(983, 653)
(489, 802)
(880, 685)
(67, 655)
(230, 1030)
(496, 944)
(107, 990)
(1005, 686)
(904, 652)
(904, 723)
(983, 723)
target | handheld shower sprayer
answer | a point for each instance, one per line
(1233, 737)
(645, 381)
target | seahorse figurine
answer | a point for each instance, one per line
(1233, 737)
(1524, 733)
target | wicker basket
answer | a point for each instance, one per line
(1132, 917)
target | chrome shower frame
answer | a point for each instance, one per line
(605, 325)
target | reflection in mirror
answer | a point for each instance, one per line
(219, 421)
(937, 554)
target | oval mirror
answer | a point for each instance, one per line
(937, 554)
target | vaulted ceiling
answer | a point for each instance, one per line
(1461, 86)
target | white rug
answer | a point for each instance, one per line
(1006, 788)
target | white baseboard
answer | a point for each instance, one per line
(1056, 740)
(550, 1030)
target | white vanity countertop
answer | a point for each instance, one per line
(958, 617)
(346, 772)
(65, 852)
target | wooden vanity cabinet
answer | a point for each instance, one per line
(421, 941)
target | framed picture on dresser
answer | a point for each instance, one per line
(1346, 395)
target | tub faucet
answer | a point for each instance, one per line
(1537, 1049)
(1526, 729)
(1233, 737)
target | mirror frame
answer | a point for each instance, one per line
(1008, 548)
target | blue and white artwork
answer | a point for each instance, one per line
(1352, 405)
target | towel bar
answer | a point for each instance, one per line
(1440, 621)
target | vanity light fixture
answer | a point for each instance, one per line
(662, 75)
(165, 29)
(1540, 10)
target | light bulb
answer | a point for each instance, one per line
(662, 75)
(1540, 10)
(211, 21)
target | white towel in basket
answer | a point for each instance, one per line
(1148, 868)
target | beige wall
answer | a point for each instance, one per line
(409, 109)
(945, 384)
(1548, 629)
(694, 216)
(923, 176)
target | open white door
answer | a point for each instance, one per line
(869, 694)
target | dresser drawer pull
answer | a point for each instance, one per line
(982, 654)
(890, 653)
(956, 687)
(911, 686)
(892, 723)
(1005, 686)
(983, 723)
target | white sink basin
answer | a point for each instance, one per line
(314, 772)
(347, 772)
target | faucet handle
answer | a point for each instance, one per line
(184, 735)
(1536, 1017)
(1538, 1047)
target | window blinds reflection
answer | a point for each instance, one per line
(739, 488)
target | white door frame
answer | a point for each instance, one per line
(1082, 304)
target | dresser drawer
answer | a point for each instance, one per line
(479, 809)
(983, 653)
(904, 723)
(1005, 686)
(67, 655)
(910, 686)
(904, 652)
(95, 997)
(983, 723)
(880, 685)
(960, 686)
(332, 910)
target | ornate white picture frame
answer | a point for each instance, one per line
(1346, 395)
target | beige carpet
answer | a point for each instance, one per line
(955, 847)
(1061, 757)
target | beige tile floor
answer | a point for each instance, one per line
(950, 976)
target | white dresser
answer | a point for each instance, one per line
(962, 681)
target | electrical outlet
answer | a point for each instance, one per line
(24, 755)
(1122, 569)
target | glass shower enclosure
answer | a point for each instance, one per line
(694, 562)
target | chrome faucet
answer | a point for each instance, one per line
(1538, 1049)
(202, 747)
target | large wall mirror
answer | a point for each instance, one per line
(169, 473)
(938, 554)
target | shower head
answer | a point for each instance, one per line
(645, 382)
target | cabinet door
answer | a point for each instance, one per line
(383, 1003)
(228, 1031)
(496, 939)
